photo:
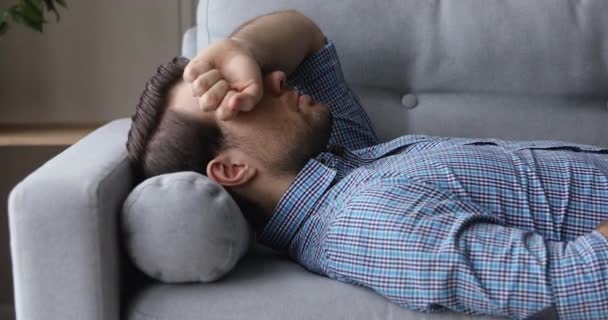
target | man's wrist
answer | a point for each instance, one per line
(246, 46)
(281, 39)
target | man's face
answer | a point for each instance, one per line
(282, 131)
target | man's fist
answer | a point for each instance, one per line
(603, 228)
(226, 78)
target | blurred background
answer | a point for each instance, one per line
(79, 73)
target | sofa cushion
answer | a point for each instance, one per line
(183, 227)
(267, 285)
(509, 117)
(490, 46)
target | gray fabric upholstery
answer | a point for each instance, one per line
(266, 285)
(189, 43)
(64, 230)
(514, 69)
(546, 59)
(484, 46)
(183, 227)
(510, 117)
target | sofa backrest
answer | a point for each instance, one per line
(512, 69)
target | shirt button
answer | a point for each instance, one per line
(409, 100)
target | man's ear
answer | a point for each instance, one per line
(230, 170)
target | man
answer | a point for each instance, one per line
(481, 226)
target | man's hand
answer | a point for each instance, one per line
(225, 77)
(603, 228)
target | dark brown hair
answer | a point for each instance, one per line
(163, 141)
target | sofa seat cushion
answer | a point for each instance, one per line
(267, 285)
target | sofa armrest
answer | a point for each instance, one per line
(189, 45)
(64, 230)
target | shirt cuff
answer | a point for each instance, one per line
(580, 278)
(323, 63)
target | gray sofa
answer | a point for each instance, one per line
(511, 69)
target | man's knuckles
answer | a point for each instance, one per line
(205, 82)
(199, 88)
(208, 101)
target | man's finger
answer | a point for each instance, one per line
(224, 112)
(205, 81)
(247, 99)
(212, 98)
(241, 102)
(196, 67)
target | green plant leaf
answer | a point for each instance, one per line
(28, 14)
(3, 22)
(62, 3)
(3, 17)
(32, 10)
(50, 6)
(33, 15)
(36, 25)
(16, 15)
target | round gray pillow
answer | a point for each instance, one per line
(183, 227)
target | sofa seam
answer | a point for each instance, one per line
(99, 281)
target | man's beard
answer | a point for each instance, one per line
(307, 146)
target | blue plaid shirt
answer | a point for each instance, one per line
(479, 226)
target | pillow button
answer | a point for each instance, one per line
(409, 100)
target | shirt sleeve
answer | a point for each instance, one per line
(320, 76)
(426, 250)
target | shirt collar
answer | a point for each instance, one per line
(296, 204)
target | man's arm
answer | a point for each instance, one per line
(427, 250)
(227, 74)
(298, 47)
(320, 76)
(280, 39)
